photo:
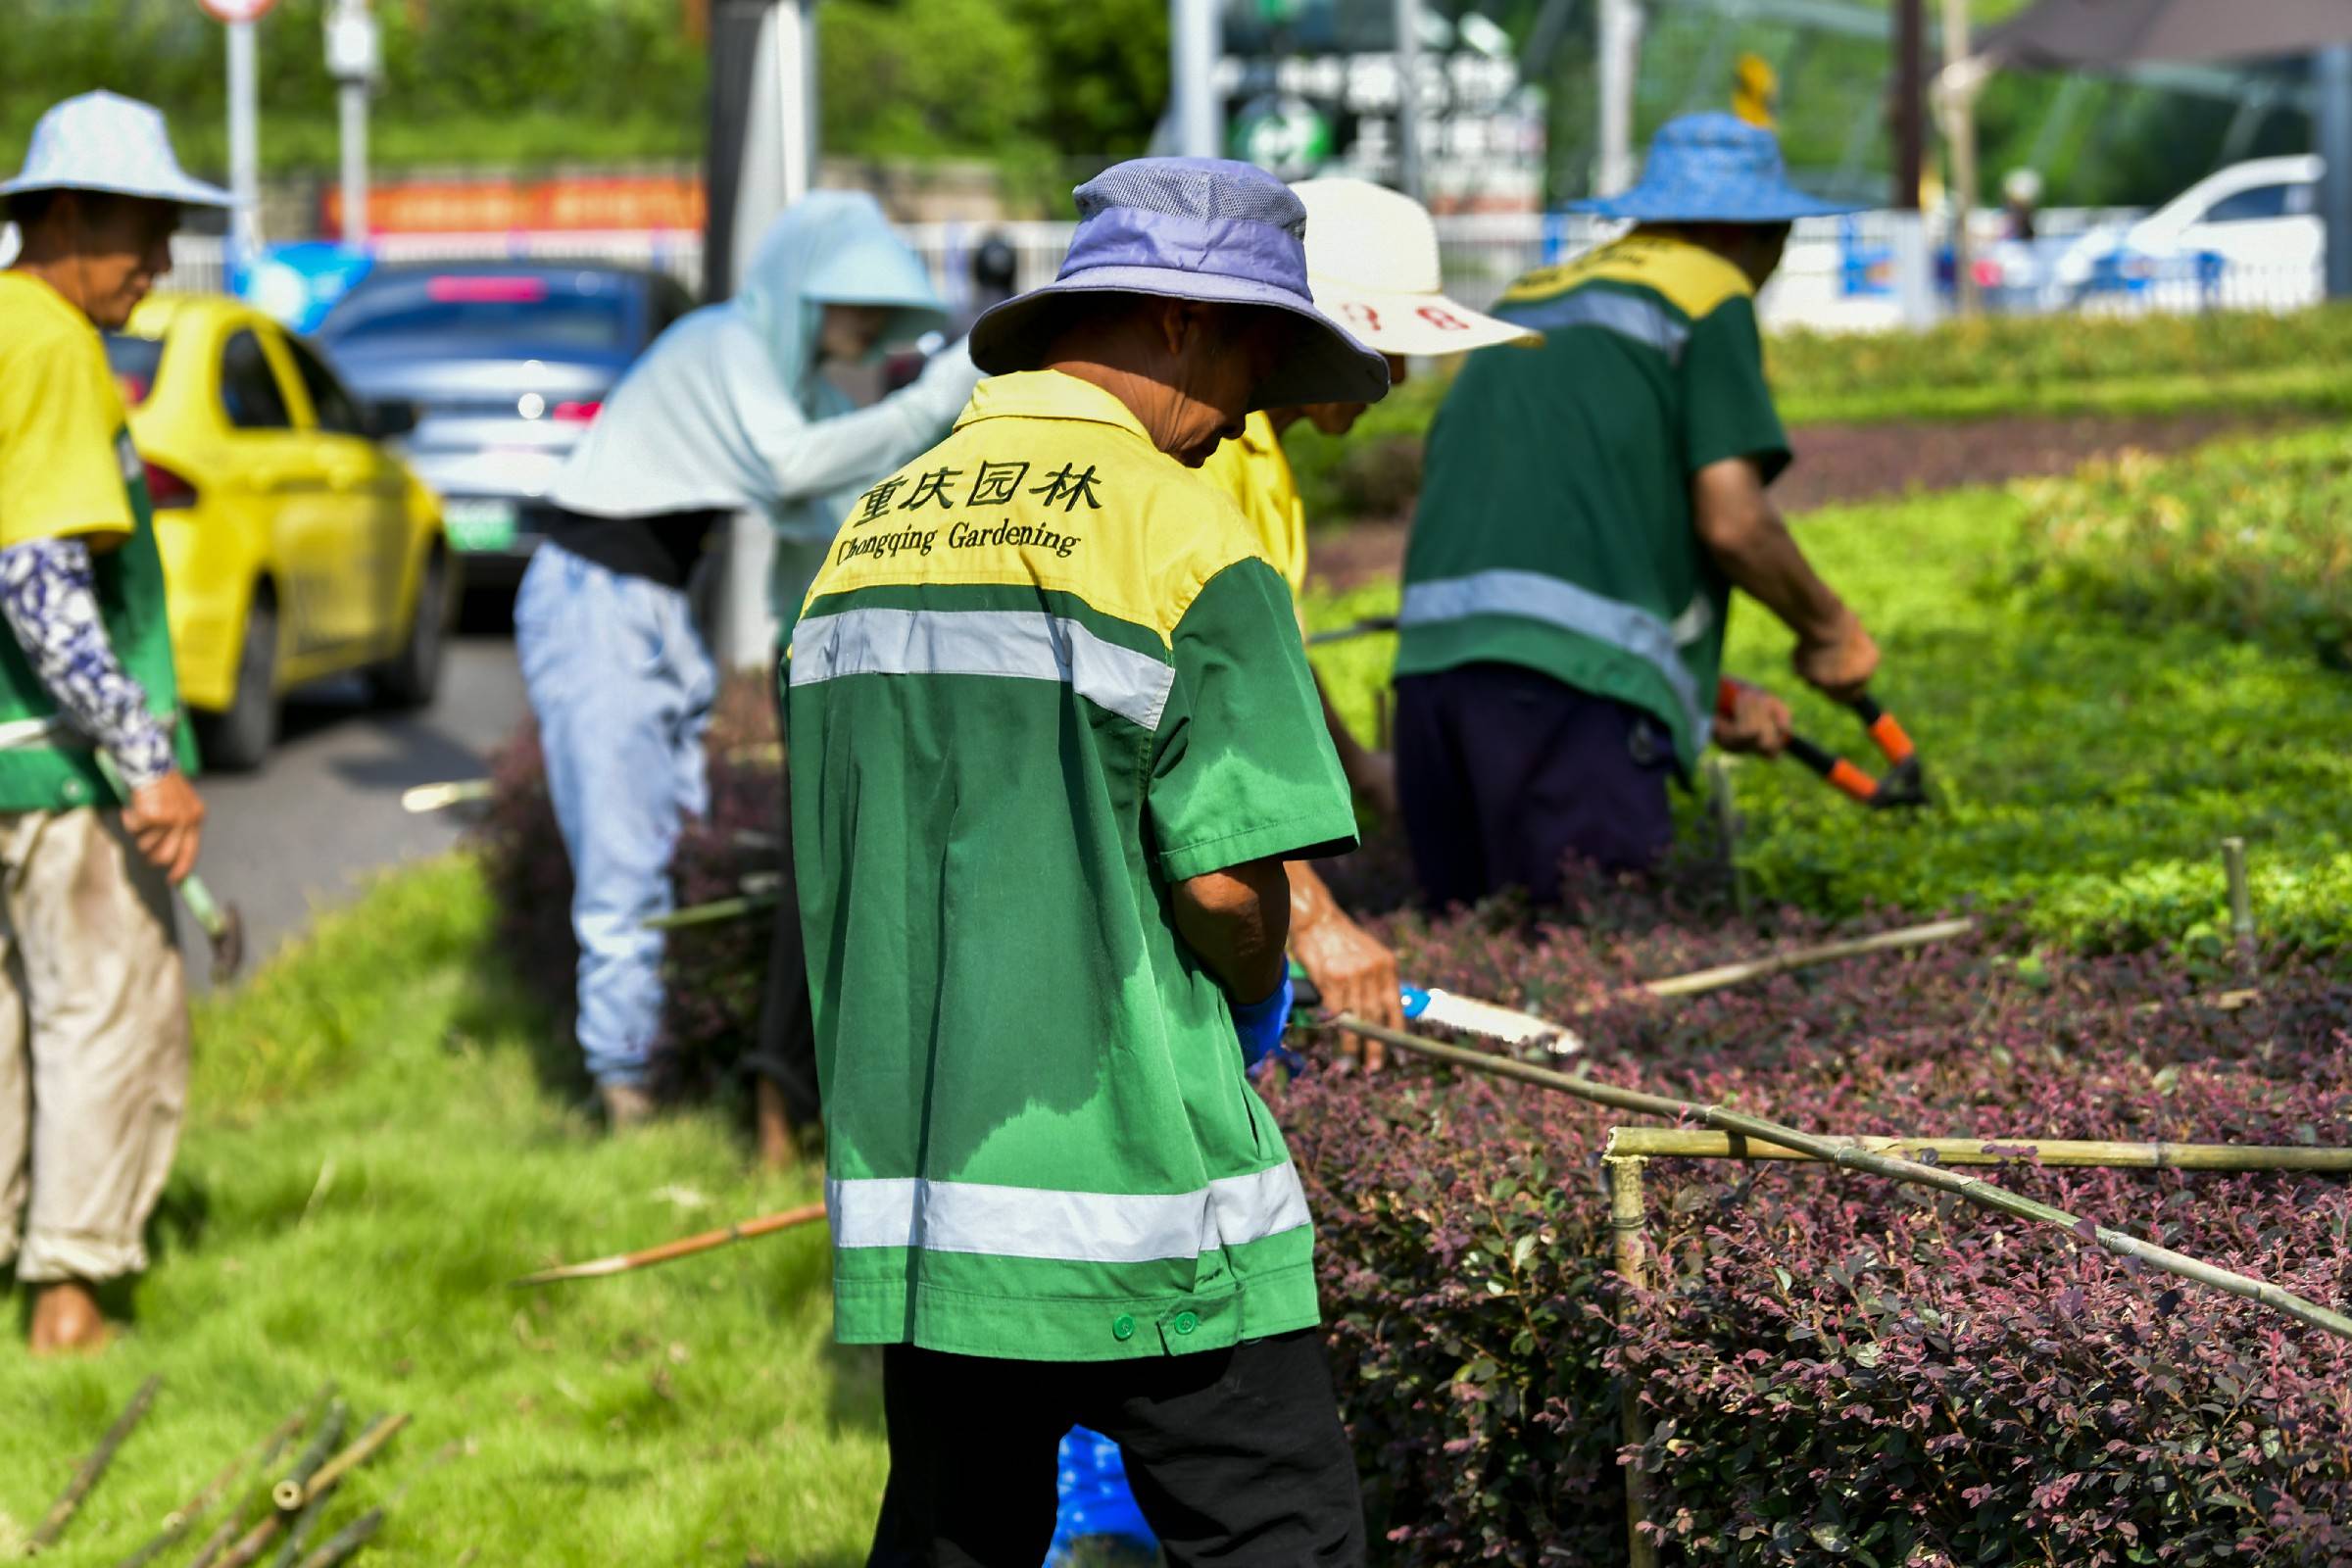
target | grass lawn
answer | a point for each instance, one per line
(380, 1141)
(2085, 770)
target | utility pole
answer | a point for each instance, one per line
(2332, 69)
(1409, 97)
(244, 149)
(1619, 48)
(1914, 255)
(354, 60)
(1194, 41)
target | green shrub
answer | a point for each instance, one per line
(2084, 765)
(2253, 539)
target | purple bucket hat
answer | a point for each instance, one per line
(1192, 228)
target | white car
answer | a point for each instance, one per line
(2247, 236)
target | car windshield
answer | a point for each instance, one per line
(133, 361)
(485, 313)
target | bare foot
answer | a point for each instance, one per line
(67, 1321)
(626, 1106)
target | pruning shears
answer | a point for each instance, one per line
(1903, 787)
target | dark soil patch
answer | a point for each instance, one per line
(1844, 462)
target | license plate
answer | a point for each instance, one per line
(476, 525)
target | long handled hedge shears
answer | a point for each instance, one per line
(1903, 786)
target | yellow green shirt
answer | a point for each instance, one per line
(66, 466)
(1046, 675)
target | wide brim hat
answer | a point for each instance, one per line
(1714, 169)
(103, 141)
(1372, 262)
(1192, 228)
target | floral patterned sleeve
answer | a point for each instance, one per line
(49, 599)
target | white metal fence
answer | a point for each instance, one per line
(1835, 276)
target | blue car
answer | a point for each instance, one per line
(505, 363)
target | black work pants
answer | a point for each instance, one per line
(1503, 774)
(785, 1051)
(1235, 1456)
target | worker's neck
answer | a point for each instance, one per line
(58, 271)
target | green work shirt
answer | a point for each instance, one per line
(68, 470)
(1554, 527)
(1046, 675)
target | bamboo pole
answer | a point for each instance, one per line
(1626, 1218)
(320, 1448)
(669, 1251)
(716, 913)
(1689, 1143)
(298, 1534)
(1970, 1189)
(1731, 974)
(352, 1537)
(209, 1556)
(418, 799)
(177, 1522)
(289, 1496)
(1372, 627)
(68, 1502)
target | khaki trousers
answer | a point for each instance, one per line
(93, 1044)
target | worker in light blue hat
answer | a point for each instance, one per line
(1587, 510)
(93, 1013)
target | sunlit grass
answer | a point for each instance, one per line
(373, 1153)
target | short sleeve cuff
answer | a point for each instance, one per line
(1310, 837)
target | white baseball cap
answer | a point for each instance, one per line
(103, 141)
(1372, 261)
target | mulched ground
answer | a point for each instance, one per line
(1841, 462)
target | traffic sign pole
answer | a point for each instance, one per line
(244, 148)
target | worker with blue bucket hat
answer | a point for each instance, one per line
(1588, 507)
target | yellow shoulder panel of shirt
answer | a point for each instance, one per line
(1073, 503)
(1694, 280)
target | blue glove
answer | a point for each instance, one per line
(1259, 1024)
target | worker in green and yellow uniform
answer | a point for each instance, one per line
(1587, 510)
(1372, 261)
(93, 1013)
(1054, 739)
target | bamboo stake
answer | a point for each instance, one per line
(298, 1536)
(1373, 626)
(1688, 1143)
(1632, 1248)
(1970, 1189)
(179, 1522)
(215, 1544)
(68, 1502)
(716, 913)
(1731, 974)
(289, 1496)
(320, 1448)
(2241, 902)
(1727, 829)
(668, 1251)
(352, 1537)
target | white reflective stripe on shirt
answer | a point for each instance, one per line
(1533, 596)
(1643, 321)
(1022, 644)
(1064, 1227)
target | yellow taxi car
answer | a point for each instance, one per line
(295, 545)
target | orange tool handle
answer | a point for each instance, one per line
(1888, 735)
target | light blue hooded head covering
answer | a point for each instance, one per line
(832, 247)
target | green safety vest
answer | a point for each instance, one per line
(58, 774)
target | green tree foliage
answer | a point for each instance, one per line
(927, 78)
(1107, 71)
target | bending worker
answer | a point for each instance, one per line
(729, 410)
(1587, 510)
(1054, 737)
(1372, 261)
(93, 1009)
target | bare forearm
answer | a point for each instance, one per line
(1762, 560)
(1237, 921)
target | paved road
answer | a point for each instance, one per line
(296, 836)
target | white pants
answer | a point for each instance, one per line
(93, 1044)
